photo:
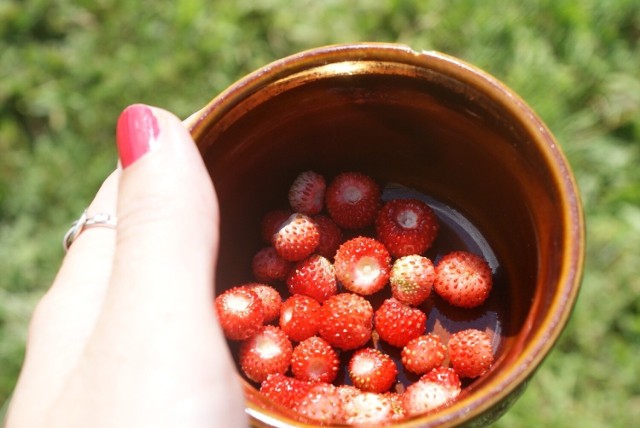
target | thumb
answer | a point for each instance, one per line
(167, 211)
(158, 311)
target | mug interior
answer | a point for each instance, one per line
(428, 125)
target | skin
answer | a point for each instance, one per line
(126, 335)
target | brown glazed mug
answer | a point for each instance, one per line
(421, 123)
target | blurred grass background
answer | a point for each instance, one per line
(67, 68)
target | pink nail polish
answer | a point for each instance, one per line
(137, 131)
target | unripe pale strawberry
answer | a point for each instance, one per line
(411, 279)
(306, 194)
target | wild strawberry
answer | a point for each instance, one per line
(352, 200)
(330, 236)
(314, 277)
(321, 404)
(315, 360)
(297, 237)
(411, 279)
(300, 317)
(270, 298)
(396, 404)
(284, 390)
(424, 396)
(267, 266)
(346, 321)
(368, 409)
(397, 323)
(240, 312)
(266, 352)
(423, 354)
(470, 353)
(463, 279)
(347, 392)
(362, 265)
(406, 226)
(306, 194)
(446, 377)
(271, 222)
(372, 371)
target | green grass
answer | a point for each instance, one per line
(67, 68)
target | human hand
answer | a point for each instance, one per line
(126, 336)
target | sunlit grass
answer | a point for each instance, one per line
(68, 67)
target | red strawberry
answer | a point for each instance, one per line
(396, 403)
(346, 321)
(306, 194)
(297, 237)
(283, 390)
(411, 279)
(269, 267)
(463, 279)
(368, 409)
(321, 404)
(423, 354)
(266, 352)
(352, 200)
(446, 377)
(406, 226)
(240, 312)
(372, 371)
(314, 277)
(271, 222)
(330, 236)
(397, 323)
(300, 317)
(470, 353)
(424, 396)
(270, 298)
(362, 265)
(315, 360)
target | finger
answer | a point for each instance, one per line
(68, 311)
(168, 215)
(157, 322)
(65, 316)
(90, 257)
(168, 218)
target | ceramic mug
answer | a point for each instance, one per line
(424, 124)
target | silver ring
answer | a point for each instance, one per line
(86, 222)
